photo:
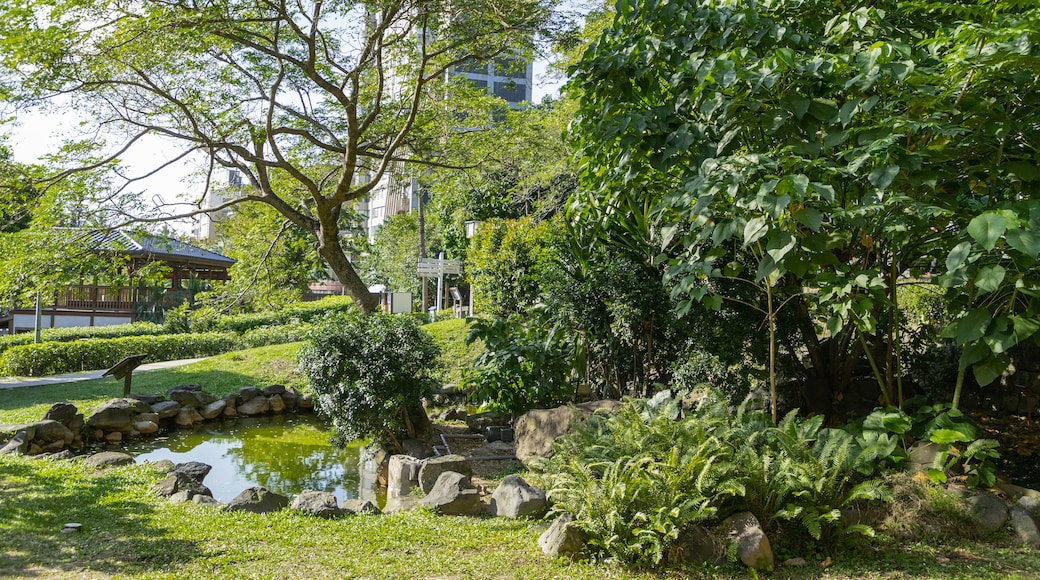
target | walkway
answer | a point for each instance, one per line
(19, 382)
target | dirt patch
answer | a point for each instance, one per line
(490, 461)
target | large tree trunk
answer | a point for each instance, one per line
(332, 252)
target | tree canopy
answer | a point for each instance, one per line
(820, 154)
(314, 102)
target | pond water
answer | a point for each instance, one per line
(284, 453)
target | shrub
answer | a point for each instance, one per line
(637, 478)
(370, 374)
(61, 357)
(521, 369)
(82, 332)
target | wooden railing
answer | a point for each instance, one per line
(85, 297)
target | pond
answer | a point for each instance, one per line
(284, 453)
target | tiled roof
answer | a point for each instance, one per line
(150, 245)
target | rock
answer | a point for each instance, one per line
(179, 482)
(275, 404)
(187, 398)
(248, 393)
(752, 545)
(272, 390)
(117, 415)
(187, 417)
(18, 445)
(166, 409)
(317, 503)
(562, 538)
(254, 406)
(163, 465)
(205, 500)
(1029, 503)
(149, 399)
(52, 447)
(433, 467)
(195, 470)
(50, 430)
(988, 512)
(402, 475)
(153, 417)
(515, 498)
(305, 402)
(795, 563)
(114, 436)
(479, 422)
(415, 448)
(289, 397)
(257, 500)
(698, 546)
(453, 494)
(922, 456)
(375, 464)
(66, 454)
(359, 506)
(146, 427)
(213, 410)
(183, 495)
(61, 412)
(536, 430)
(230, 411)
(1024, 527)
(108, 459)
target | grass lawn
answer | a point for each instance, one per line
(129, 532)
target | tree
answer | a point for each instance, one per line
(313, 102)
(816, 153)
(394, 254)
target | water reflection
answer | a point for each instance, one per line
(284, 453)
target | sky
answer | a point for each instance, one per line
(35, 135)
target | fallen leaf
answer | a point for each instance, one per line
(827, 563)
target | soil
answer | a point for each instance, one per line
(487, 472)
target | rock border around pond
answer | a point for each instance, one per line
(64, 428)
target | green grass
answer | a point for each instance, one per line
(217, 375)
(456, 356)
(128, 532)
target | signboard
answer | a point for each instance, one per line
(436, 267)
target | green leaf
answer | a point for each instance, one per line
(990, 369)
(882, 177)
(779, 245)
(1025, 326)
(958, 255)
(810, 217)
(1024, 241)
(987, 228)
(989, 278)
(948, 436)
(971, 326)
(754, 230)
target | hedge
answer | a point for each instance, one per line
(50, 358)
(204, 320)
(81, 332)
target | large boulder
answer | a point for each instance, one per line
(213, 410)
(317, 503)
(48, 431)
(988, 511)
(432, 468)
(187, 417)
(108, 459)
(17, 445)
(743, 531)
(515, 498)
(536, 430)
(453, 494)
(275, 404)
(270, 390)
(254, 406)
(196, 470)
(61, 412)
(563, 538)
(402, 475)
(1024, 526)
(696, 545)
(257, 500)
(190, 395)
(117, 415)
(166, 409)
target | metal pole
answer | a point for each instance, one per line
(39, 318)
(440, 279)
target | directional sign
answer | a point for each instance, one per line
(435, 267)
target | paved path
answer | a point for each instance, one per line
(19, 382)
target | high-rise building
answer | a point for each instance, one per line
(206, 226)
